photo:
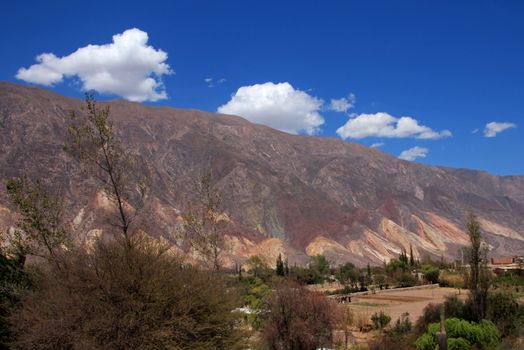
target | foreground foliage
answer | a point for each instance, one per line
(127, 298)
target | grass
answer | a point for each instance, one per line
(368, 304)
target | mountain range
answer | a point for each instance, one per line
(291, 194)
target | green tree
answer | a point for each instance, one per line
(478, 277)
(411, 256)
(431, 273)
(319, 263)
(258, 268)
(347, 274)
(280, 266)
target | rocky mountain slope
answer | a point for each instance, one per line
(298, 195)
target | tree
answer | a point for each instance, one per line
(298, 319)
(411, 256)
(478, 277)
(40, 231)
(347, 274)
(258, 267)
(204, 223)
(93, 141)
(431, 273)
(280, 266)
(319, 263)
(403, 258)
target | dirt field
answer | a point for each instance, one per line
(395, 303)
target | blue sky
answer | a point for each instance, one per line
(450, 67)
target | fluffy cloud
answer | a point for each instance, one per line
(342, 104)
(127, 67)
(385, 125)
(279, 106)
(414, 153)
(493, 128)
(377, 144)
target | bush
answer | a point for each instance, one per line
(406, 280)
(453, 307)
(402, 326)
(483, 335)
(127, 297)
(13, 282)
(431, 273)
(380, 319)
(256, 297)
(451, 279)
(458, 344)
(505, 312)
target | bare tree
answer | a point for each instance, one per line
(92, 140)
(204, 223)
(299, 319)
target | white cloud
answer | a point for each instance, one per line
(342, 104)
(378, 144)
(493, 128)
(414, 153)
(279, 106)
(384, 125)
(211, 82)
(127, 67)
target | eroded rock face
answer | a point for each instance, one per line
(289, 194)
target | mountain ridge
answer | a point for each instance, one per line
(292, 194)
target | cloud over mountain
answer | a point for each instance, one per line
(127, 67)
(279, 106)
(384, 125)
(413, 153)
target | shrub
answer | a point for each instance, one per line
(505, 312)
(127, 297)
(431, 273)
(380, 319)
(451, 279)
(406, 280)
(402, 326)
(453, 307)
(483, 335)
(458, 344)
